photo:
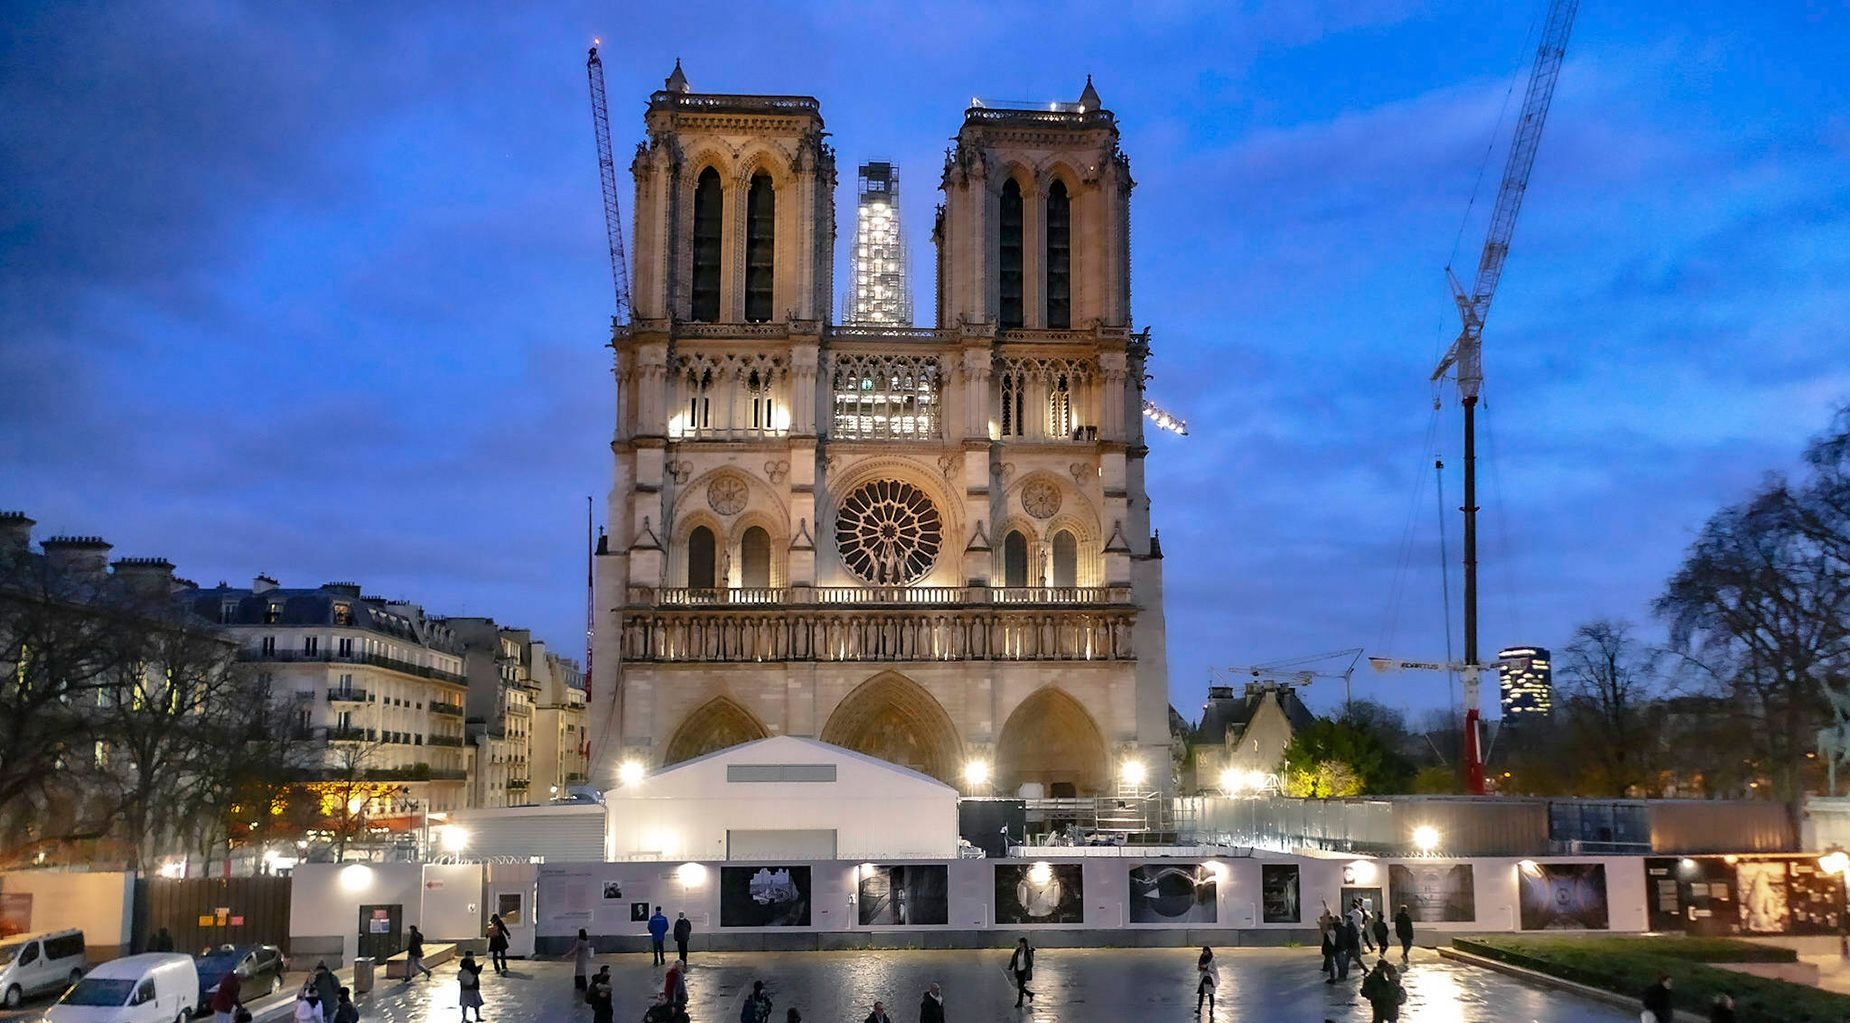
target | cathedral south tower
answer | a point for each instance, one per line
(928, 544)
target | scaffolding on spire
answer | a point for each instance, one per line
(879, 292)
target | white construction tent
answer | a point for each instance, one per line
(783, 798)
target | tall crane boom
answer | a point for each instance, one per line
(607, 170)
(1465, 358)
(1474, 307)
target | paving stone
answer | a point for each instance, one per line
(1073, 986)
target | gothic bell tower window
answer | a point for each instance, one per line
(708, 199)
(1059, 258)
(1009, 273)
(760, 247)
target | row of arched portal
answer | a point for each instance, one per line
(1049, 739)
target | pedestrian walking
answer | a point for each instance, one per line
(674, 985)
(1329, 954)
(327, 991)
(683, 930)
(1350, 952)
(658, 933)
(414, 955)
(757, 1006)
(1359, 916)
(597, 995)
(308, 1005)
(346, 1011)
(1383, 992)
(580, 954)
(1381, 933)
(878, 1015)
(225, 1002)
(1204, 991)
(1722, 1011)
(469, 986)
(1656, 1001)
(497, 943)
(1021, 967)
(931, 1008)
(1403, 930)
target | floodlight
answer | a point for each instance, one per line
(976, 772)
(455, 839)
(630, 773)
(1133, 772)
(1426, 838)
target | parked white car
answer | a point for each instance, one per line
(41, 963)
(154, 987)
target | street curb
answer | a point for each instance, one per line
(1541, 979)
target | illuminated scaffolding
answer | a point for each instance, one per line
(878, 291)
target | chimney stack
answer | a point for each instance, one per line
(78, 556)
(15, 532)
(263, 584)
(151, 577)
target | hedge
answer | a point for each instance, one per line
(1627, 966)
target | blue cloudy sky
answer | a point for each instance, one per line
(321, 291)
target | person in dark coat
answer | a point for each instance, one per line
(414, 955)
(1723, 1009)
(658, 932)
(878, 1015)
(497, 943)
(1380, 925)
(757, 1007)
(598, 996)
(327, 989)
(931, 1009)
(1381, 988)
(1330, 953)
(683, 930)
(1351, 951)
(1403, 931)
(346, 1011)
(469, 986)
(1656, 1000)
(1021, 967)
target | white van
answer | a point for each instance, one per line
(154, 987)
(41, 963)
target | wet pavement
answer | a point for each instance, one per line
(1074, 986)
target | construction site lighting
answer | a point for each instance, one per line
(1834, 862)
(1132, 772)
(455, 839)
(691, 875)
(976, 772)
(1426, 838)
(630, 773)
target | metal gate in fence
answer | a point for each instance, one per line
(202, 912)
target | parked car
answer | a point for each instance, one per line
(154, 987)
(260, 970)
(40, 964)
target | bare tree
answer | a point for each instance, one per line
(1609, 679)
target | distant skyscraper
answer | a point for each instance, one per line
(1527, 682)
(878, 292)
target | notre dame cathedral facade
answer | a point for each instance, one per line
(931, 545)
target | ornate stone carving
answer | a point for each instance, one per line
(888, 532)
(947, 464)
(727, 494)
(679, 471)
(776, 470)
(1080, 471)
(1040, 498)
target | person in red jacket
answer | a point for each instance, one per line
(225, 1000)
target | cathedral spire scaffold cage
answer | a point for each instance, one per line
(879, 293)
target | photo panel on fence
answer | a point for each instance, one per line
(1438, 893)
(1040, 893)
(1164, 893)
(1280, 894)
(1562, 896)
(766, 896)
(914, 894)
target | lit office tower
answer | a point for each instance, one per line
(1527, 682)
(878, 294)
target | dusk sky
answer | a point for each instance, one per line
(325, 295)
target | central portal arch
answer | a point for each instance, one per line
(892, 717)
(714, 725)
(1050, 739)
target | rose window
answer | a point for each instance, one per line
(888, 532)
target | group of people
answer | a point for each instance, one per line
(321, 1000)
(1345, 937)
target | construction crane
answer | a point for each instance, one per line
(1293, 671)
(607, 171)
(1464, 360)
